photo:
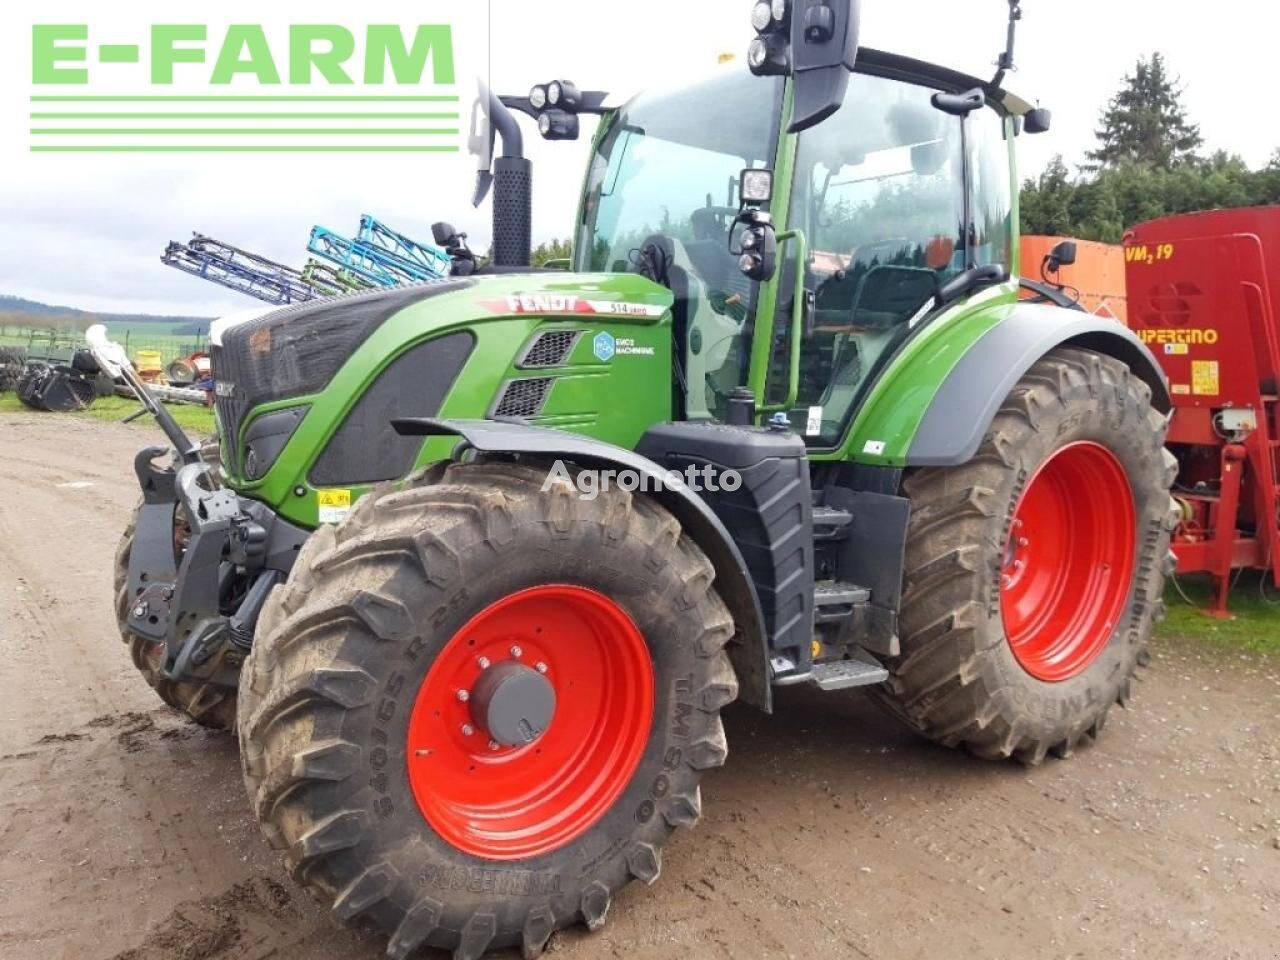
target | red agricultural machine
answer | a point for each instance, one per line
(1204, 295)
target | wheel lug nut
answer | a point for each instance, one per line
(540, 667)
(1024, 542)
(516, 652)
(494, 745)
(468, 729)
(463, 696)
(1019, 564)
(483, 663)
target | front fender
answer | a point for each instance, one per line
(733, 582)
(969, 397)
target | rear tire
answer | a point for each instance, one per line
(1016, 641)
(344, 678)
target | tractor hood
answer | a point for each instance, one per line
(549, 293)
(306, 395)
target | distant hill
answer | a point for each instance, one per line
(16, 311)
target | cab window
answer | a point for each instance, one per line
(880, 193)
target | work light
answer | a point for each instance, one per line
(762, 16)
(556, 124)
(768, 56)
(780, 10)
(538, 97)
(563, 94)
(756, 186)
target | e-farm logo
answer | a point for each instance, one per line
(314, 88)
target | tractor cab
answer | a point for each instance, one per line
(884, 203)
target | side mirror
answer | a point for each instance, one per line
(815, 42)
(1064, 254)
(1038, 120)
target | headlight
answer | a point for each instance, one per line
(757, 53)
(749, 240)
(749, 263)
(780, 10)
(544, 124)
(761, 16)
(553, 93)
(538, 97)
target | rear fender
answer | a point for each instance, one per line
(970, 395)
(733, 582)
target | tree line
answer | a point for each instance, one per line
(1147, 164)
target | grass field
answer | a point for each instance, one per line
(136, 337)
(1255, 609)
(196, 420)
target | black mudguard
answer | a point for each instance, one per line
(733, 582)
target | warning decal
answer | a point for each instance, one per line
(1204, 378)
(334, 505)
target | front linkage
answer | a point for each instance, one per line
(202, 564)
(202, 559)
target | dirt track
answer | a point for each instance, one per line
(831, 833)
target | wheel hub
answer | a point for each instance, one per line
(512, 703)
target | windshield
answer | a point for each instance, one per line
(667, 169)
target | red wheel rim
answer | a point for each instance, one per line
(1069, 562)
(512, 802)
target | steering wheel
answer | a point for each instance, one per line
(712, 222)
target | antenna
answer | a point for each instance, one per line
(1005, 62)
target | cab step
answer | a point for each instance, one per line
(847, 674)
(834, 601)
(831, 524)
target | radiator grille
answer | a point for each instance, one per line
(523, 398)
(550, 349)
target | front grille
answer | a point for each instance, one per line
(523, 398)
(550, 349)
(295, 351)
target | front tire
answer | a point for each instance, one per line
(1035, 572)
(380, 782)
(208, 705)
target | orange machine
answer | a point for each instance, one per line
(1098, 274)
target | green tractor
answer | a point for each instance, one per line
(477, 564)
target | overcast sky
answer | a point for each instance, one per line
(88, 231)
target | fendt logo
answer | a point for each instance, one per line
(244, 87)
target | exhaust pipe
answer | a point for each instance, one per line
(511, 176)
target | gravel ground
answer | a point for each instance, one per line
(831, 832)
